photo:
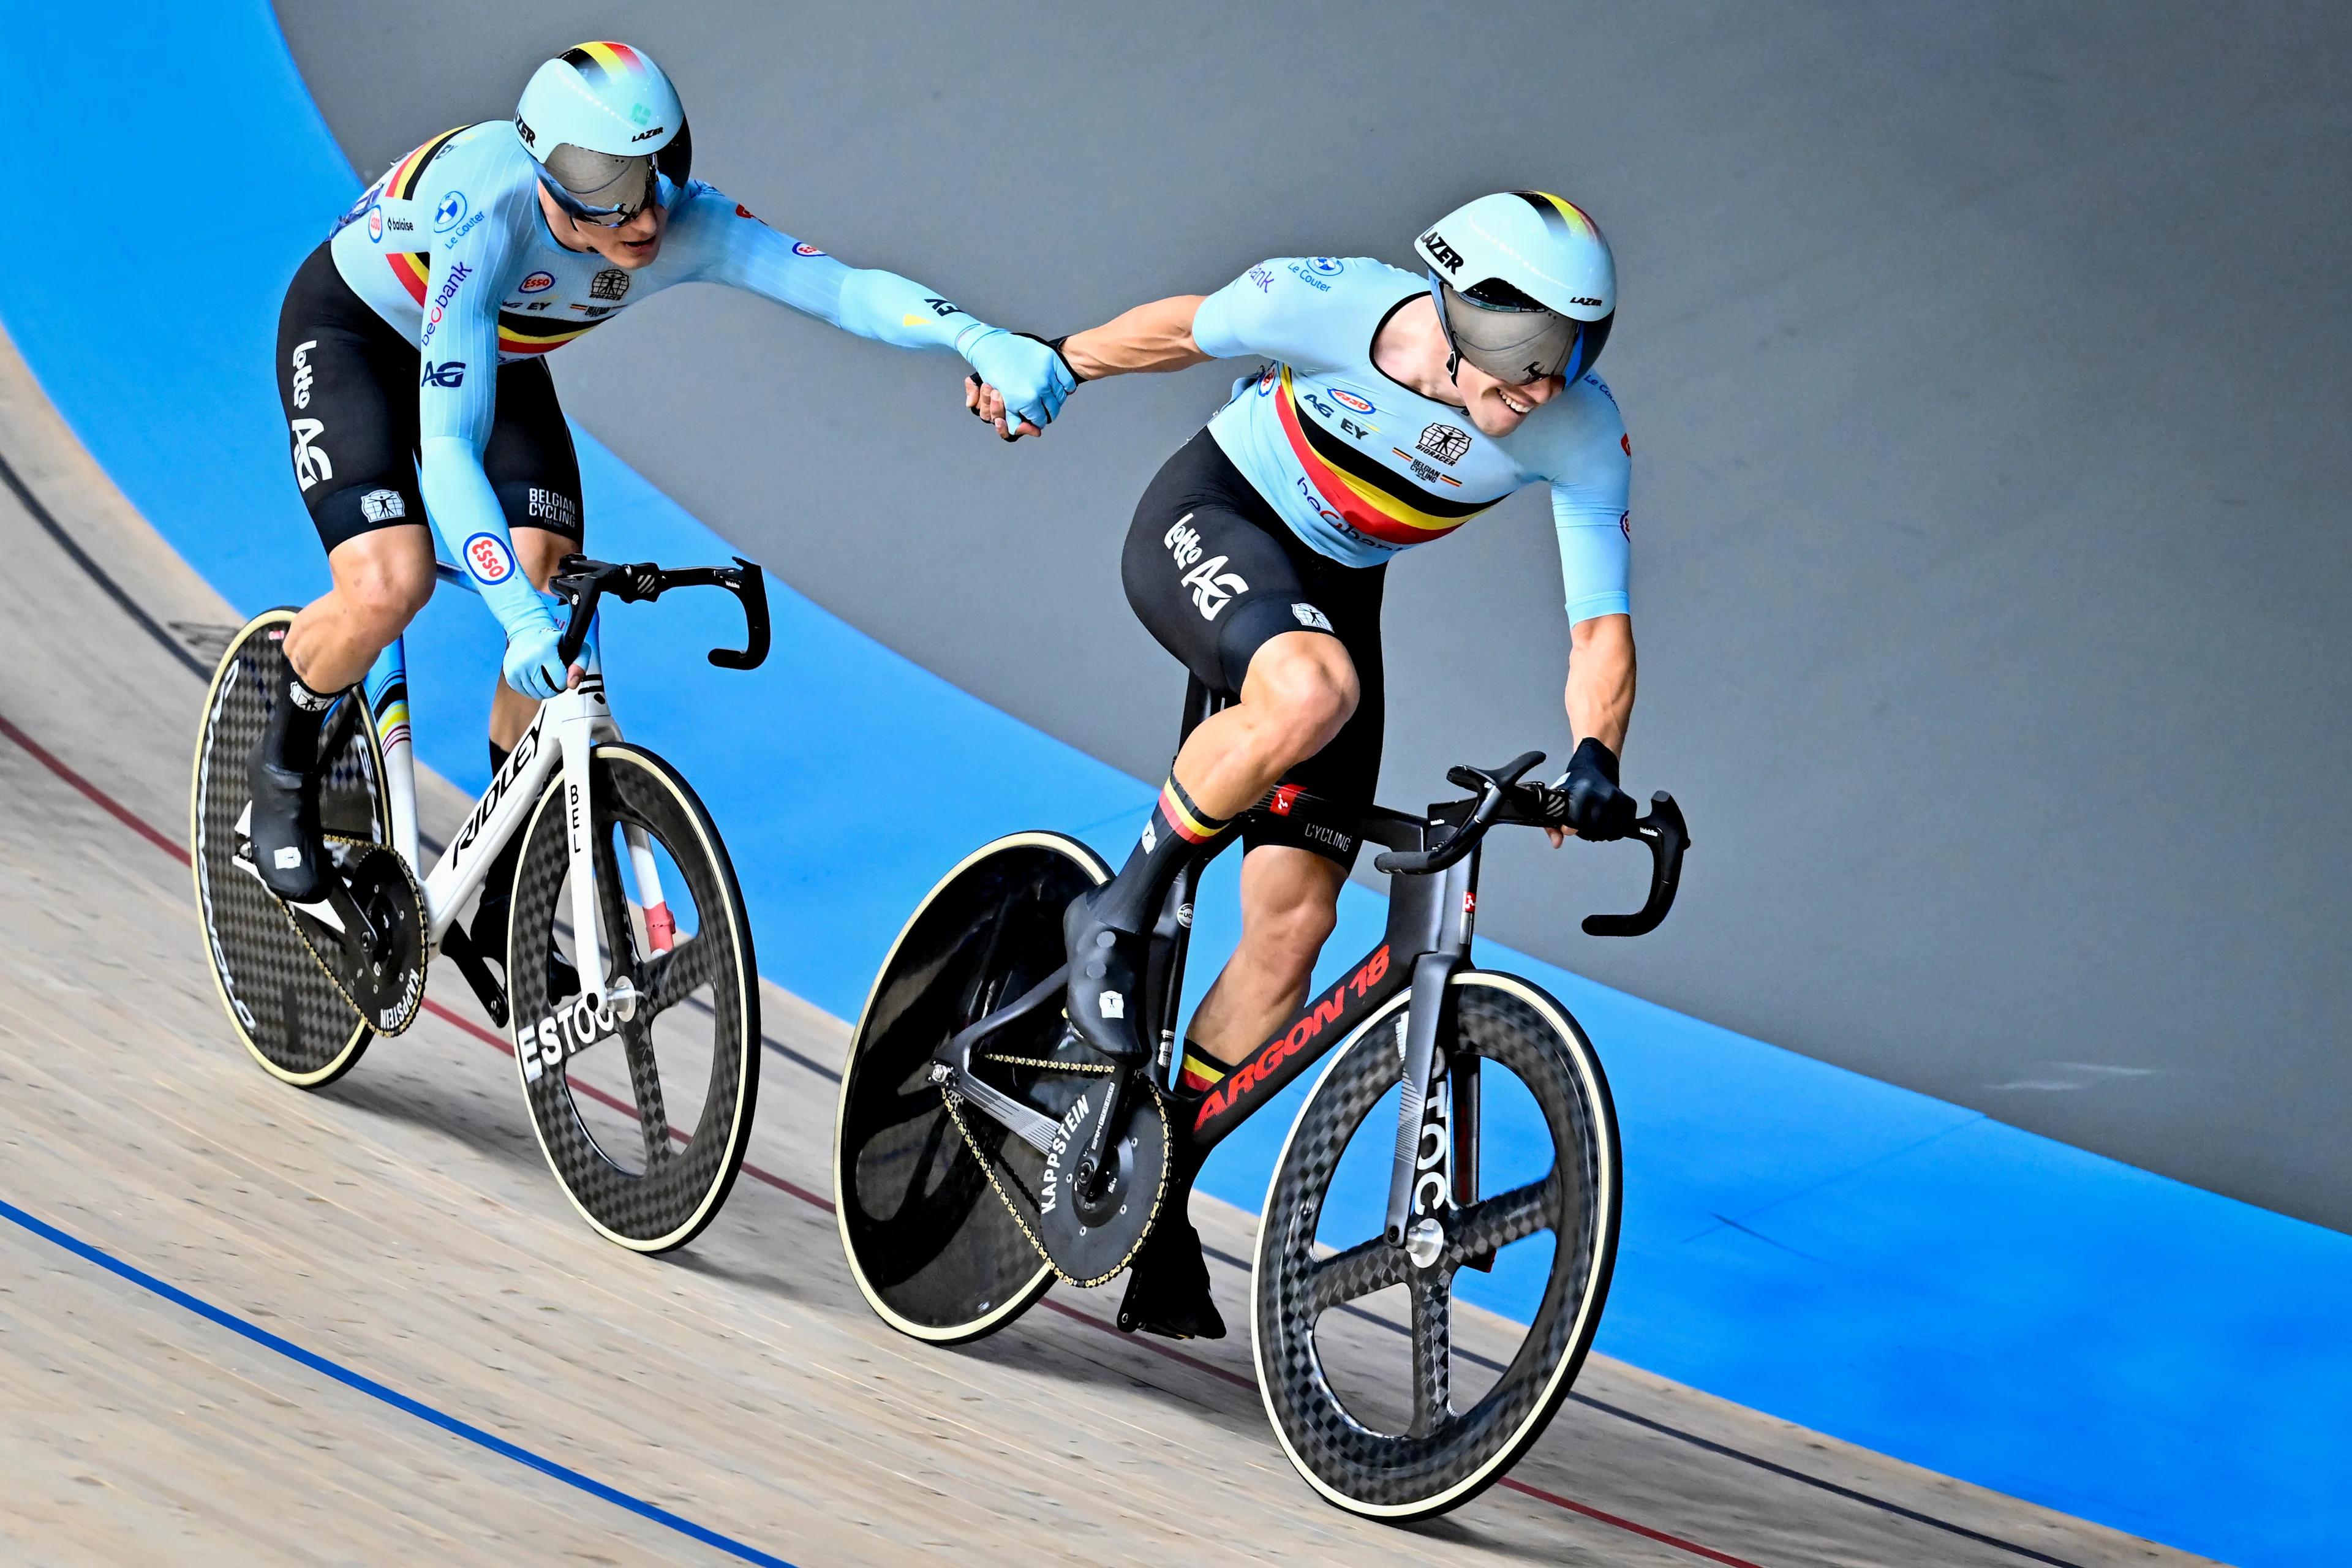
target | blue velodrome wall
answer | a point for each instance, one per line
(1888, 1268)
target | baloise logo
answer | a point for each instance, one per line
(450, 372)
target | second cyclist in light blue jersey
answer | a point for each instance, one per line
(1388, 410)
(411, 368)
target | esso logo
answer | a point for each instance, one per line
(375, 225)
(805, 248)
(487, 554)
(1265, 382)
(1360, 405)
(537, 283)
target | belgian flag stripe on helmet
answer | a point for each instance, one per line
(1560, 216)
(600, 60)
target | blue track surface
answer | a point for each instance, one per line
(1888, 1268)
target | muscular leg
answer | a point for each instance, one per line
(1290, 902)
(383, 578)
(1300, 688)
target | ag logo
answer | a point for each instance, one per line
(1444, 443)
(1212, 587)
(449, 372)
(486, 556)
(452, 208)
(537, 283)
(610, 284)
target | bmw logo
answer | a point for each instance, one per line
(452, 208)
(1327, 266)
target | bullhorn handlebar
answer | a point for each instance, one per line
(581, 583)
(1503, 799)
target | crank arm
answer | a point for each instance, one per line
(1034, 1128)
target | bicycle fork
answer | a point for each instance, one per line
(1435, 1165)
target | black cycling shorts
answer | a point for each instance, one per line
(1215, 574)
(349, 384)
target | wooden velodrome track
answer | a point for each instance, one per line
(243, 1324)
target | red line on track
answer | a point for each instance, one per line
(120, 811)
(146, 830)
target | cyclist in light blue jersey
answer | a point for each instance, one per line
(410, 364)
(1391, 409)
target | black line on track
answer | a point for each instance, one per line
(131, 606)
(1709, 1444)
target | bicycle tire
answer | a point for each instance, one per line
(1399, 1477)
(286, 1012)
(934, 1250)
(660, 1193)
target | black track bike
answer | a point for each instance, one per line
(981, 1150)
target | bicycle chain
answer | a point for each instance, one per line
(954, 1103)
(327, 969)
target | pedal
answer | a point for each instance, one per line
(1091, 1229)
(368, 933)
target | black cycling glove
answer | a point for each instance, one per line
(1591, 801)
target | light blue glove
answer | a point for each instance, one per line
(1031, 375)
(532, 667)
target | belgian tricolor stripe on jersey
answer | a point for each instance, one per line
(597, 61)
(411, 266)
(521, 335)
(403, 180)
(1372, 497)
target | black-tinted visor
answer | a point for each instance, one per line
(612, 188)
(1508, 335)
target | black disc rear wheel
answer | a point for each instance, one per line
(937, 1252)
(284, 1008)
(1391, 1401)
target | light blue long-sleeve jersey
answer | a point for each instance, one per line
(1362, 468)
(451, 248)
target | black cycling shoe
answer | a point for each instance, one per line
(1105, 982)
(1167, 1283)
(288, 850)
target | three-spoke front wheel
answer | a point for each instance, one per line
(1391, 1402)
(645, 1118)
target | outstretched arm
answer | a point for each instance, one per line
(1157, 336)
(731, 246)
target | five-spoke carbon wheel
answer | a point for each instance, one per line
(282, 1005)
(935, 1250)
(643, 1119)
(1392, 1401)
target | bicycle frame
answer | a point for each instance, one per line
(1431, 919)
(561, 736)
